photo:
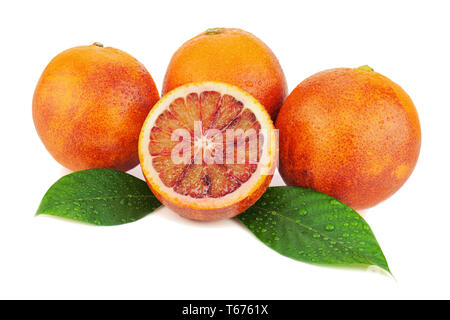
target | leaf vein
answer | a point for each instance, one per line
(323, 235)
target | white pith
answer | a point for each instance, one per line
(265, 166)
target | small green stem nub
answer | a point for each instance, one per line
(214, 30)
(98, 44)
(365, 68)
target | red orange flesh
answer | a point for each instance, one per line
(221, 173)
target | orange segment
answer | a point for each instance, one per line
(161, 142)
(209, 101)
(192, 183)
(186, 111)
(241, 172)
(228, 110)
(169, 172)
(221, 180)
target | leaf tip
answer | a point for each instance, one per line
(381, 269)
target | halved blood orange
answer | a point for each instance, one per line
(208, 150)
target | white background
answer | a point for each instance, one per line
(165, 256)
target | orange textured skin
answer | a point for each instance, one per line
(233, 56)
(89, 106)
(352, 134)
(215, 214)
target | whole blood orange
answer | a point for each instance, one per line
(233, 56)
(89, 106)
(208, 150)
(350, 133)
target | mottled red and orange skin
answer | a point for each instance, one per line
(215, 214)
(350, 133)
(89, 106)
(233, 56)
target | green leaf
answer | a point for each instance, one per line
(99, 196)
(313, 227)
